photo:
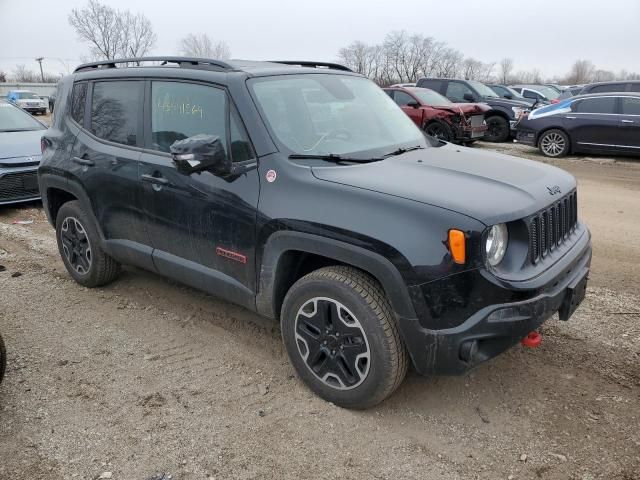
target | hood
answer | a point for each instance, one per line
(467, 108)
(487, 186)
(20, 144)
(506, 102)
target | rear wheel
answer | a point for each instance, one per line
(439, 130)
(554, 143)
(497, 129)
(342, 337)
(79, 246)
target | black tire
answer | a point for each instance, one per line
(369, 327)
(440, 130)
(3, 359)
(554, 143)
(498, 129)
(81, 253)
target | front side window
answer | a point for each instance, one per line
(429, 97)
(403, 99)
(78, 100)
(115, 111)
(339, 114)
(456, 91)
(631, 105)
(596, 105)
(181, 110)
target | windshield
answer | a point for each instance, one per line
(27, 95)
(482, 89)
(321, 114)
(12, 119)
(429, 97)
(550, 93)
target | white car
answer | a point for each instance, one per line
(27, 100)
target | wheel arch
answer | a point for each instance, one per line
(289, 255)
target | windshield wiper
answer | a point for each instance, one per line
(400, 151)
(332, 157)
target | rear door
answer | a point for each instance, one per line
(593, 123)
(201, 226)
(629, 131)
(105, 159)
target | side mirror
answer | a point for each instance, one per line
(469, 97)
(413, 105)
(199, 153)
(508, 95)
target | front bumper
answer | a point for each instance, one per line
(494, 328)
(526, 137)
(468, 132)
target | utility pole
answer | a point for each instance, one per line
(39, 60)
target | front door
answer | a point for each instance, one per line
(409, 105)
(201, 226)
(629, 132)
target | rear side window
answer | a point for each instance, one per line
(432, 84)
(631, 105)
(612, 87)
(181, 110)
(78, 101)
(115, 111)
(595, 105)
(634, 87)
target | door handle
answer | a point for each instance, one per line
(83, 161)
(570, 118)
(628, 121)
(151, 179)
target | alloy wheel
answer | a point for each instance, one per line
(76, 245)
(553, 144)
(332, 343)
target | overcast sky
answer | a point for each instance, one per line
(544, 34)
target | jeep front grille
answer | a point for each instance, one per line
(19, 186)
(549, 228)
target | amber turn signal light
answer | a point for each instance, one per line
(457, 246)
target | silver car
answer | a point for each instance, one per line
(27, 100)
(20, 154)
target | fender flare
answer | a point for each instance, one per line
(48, 181)
(373, 263)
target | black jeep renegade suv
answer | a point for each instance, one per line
(301, 191)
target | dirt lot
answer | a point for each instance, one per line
(147, 377)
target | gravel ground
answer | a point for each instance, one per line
(147, 377)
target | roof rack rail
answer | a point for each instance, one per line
(181, 61)
(306, 63)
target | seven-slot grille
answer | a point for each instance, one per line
(550, 227)
(19, 186)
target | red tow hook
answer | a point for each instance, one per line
(532, 340)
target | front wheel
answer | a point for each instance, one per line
(554, 143)
(498, 129)
(342, 337)
(440, 130)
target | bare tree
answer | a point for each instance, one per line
(506, 67)
(200, 45)
(112, 33)
(361, 58)
(24, 75)
(582, 71)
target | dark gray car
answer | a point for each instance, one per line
(20, 154)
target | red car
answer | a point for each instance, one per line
(439, 117)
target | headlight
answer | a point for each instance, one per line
(496, 244)
(518, 112)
